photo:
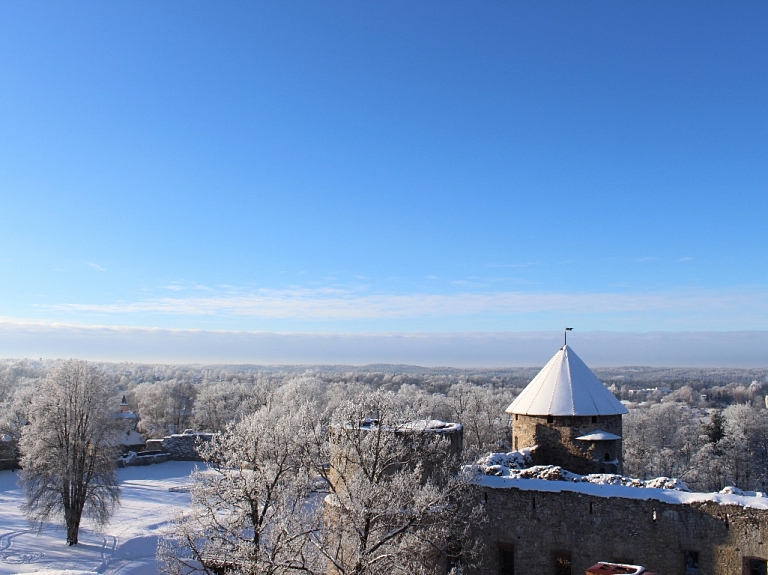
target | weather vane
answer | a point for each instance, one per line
(565, 335)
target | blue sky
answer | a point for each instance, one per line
(384, 167)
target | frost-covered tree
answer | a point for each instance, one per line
(396, 503)
(746, 445)
(165, 406)
(481, 411)
(252, 508)
(14, 411)
(662, 441)
(68, 449)
(220, 403)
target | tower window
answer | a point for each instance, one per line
(516, 417)
(691, 563)
(562, 563)
(594, 419)
(757, 567)
(550, 419)
(607, 456)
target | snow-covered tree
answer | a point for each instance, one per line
(481, 411)
(252, 508)
(288, 491)
(662, 441)
(68, 449)
(165, 406)
(220, 403)
(14, 411)
(396, 503)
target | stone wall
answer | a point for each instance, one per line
(180, 446)
(443, 456)
(532, 527)
(558, 444)
(133, 459)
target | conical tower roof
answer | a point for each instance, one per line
(566, 386)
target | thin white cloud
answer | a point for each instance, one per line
(468, 283)
(525, 265)
(337, 304)
(685, 259)
(96, 266)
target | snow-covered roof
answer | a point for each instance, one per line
(566, 386)
(132, 438)
(599, 435)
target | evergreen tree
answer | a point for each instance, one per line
(716, 427)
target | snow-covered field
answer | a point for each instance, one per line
(126, 546)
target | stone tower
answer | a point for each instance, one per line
(571, 418)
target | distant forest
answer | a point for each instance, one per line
(706, 426)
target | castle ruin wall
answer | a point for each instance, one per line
(532, 528)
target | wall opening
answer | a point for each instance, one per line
(550, 419)
(506, 559)
(562, 562)
(516, 448)
(607, 456)
(594, 419)
(691, 563)
(756, 566)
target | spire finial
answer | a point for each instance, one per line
(565, 335)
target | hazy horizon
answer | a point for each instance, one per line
(462, 350)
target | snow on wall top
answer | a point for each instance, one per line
(755, 500)
(566, 386)
(514, 471)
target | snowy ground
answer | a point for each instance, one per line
(125, 547)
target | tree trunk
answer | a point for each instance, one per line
(72, 519)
